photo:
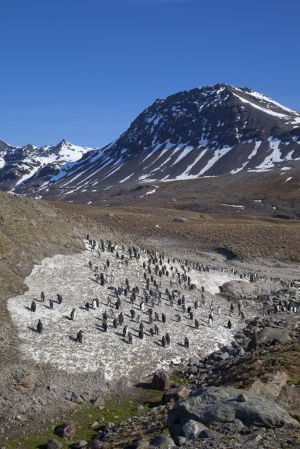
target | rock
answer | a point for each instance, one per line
(54, 444)
(99, 401)
(219, 405)
(176, 394)
(242, 398)
(180, 441)
(66, 430)
(193, 361)
(95, 444)
(75, 397)
(218, 356)
(110, 427)
(162, 442)
(160, 381)
(271, 335)
(192, 370)
(80, 445)
(192, 429)
(94, 425)
(208, 433)
(236, 289)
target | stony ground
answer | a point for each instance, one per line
(32, 393)
(75, 281)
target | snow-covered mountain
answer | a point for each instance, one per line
(30, 165)
(207, 131)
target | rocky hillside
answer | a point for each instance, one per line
(30, 164)
(202, 132)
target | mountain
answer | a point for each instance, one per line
(210, 131)
(20, 166)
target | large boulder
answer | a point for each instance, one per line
(66, 430)
(237, 289)
(270, 335)
(219, 405)
(160, 381)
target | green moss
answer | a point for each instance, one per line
(115, 411)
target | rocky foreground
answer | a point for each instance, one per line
(246, 394)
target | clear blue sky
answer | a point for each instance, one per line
(83, 69)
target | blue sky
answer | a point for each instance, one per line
(83, 69)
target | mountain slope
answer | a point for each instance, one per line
(26, 165)
(208, 131)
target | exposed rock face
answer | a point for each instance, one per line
(219, 405)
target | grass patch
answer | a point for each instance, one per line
(115, 411)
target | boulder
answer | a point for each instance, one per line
(95, 444)
(66, 430)
(180, 441)
(99, 401)
(208, 433)
(192, 429)
(80, 445)
(76, 398)
(242, 398)
(54, 444)
(220, 405)
(193, 361)
(160, 381)
(218, 356)
(270, 335)
(192, 370)
(162, 442)
(236, 289)
(177, 394)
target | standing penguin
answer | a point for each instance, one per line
(33, 306)
(39, 327)
(168, 340)
(79, 336)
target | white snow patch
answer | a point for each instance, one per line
(234, 205)
(106, 352)
(218, 154)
